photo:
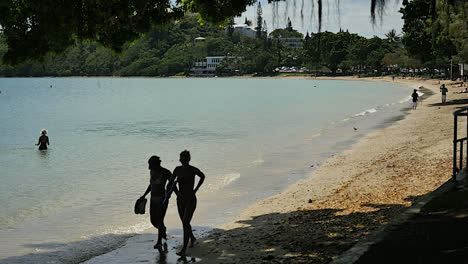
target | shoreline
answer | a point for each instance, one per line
(259, 233)
(366, 186)
(306, 141)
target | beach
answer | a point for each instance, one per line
(335, 176)
(348, 197)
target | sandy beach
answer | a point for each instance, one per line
(349, 196)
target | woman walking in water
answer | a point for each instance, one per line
(159, 177)
(43, 140)
(186, 199)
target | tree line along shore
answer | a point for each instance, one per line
(425, 48)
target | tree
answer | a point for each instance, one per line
(284, 33)
(230, 27)
(34, 28)
(450, 31)
(392, 36)
(248, 22)
(289, 26)
(258, 28)
(416, 28)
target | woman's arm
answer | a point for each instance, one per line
(174, 179)
(171, 186)
(147, 191)
(38, 141)
(48, 141)
(202, 179)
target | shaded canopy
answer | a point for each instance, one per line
(34, 28)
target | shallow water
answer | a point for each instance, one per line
(251, 137)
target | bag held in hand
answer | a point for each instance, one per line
(140, 205)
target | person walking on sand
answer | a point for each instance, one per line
(415, 96)
(43, 140)
(186, 198)
(159, 177)
(444, 91)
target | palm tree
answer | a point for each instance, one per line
(392, 36)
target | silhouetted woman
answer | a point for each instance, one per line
(159, 178)
(186, 198)
(43, 140)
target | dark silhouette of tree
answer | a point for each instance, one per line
(258, 28)
(417, 38)
(392, 36)
(230, 27)
(289, 25)
(34, 28)
(247, 22)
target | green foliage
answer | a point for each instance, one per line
(172, 50)
(416, 28)
(33, 29)
(331, 50)
(452, 24)
(258, 28)
(285, 33)
(435, 31)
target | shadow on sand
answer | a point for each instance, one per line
(462, 102)
(302, 236)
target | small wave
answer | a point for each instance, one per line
(136, 228)
(229, 178)
(368, 111)
(257, 161)
(404, 100)
(221, 182)
(314, 135)
(409, 98)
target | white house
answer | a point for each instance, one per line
(207, 66)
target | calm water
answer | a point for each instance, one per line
(251, 137)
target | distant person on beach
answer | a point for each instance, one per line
(186, 199)
(43, 140)
(415, 96)
(444, 91)
(159, 177)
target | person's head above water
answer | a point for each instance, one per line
(154, 162)
(184, 157)
(43, 132)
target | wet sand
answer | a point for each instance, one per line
(349, 196)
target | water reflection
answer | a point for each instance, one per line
(44, 155)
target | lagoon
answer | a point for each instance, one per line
(251, 137)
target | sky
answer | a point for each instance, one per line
(352, 15)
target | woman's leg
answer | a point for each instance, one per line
(186, 210)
